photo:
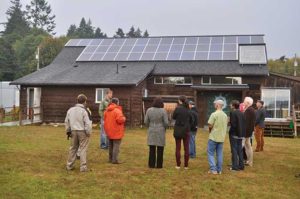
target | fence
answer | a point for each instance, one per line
(15, 114)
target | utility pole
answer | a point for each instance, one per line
(37, 57)
(295, 65)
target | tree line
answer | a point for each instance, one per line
(32, 28)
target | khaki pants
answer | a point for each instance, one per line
(259, 137)
(248, 149)
(79, 142)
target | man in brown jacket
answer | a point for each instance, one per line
(78, 122)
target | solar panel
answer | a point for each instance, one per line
(164, 48)
(253, 54)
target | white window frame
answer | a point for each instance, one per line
(96, 94)
(224, 84)
(275, 105)
(162, 81)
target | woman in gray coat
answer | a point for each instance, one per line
(157, 120)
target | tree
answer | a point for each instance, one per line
(85, 30)
(72, 31)
(39, 15)
(131, 32)
(8, 66)
(119, 33)
(146, 34)
(99, 34)
(138, 33)
(25, 51)
(16, 21)
(49, 49)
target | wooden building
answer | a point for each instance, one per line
(203, 68)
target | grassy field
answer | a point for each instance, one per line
(33, 166)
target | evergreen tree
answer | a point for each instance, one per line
(16, 22)
(119, 33)
(85, 30)
(72, 31)
(138, 33)
(146, 34)
(99, 33)
(131, 32)
(7, 61)
(39, 15)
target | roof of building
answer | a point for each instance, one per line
(294, 78)
(67, 70)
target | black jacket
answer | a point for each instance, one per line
(194, 119)
(260, 117)
(182, 116)
(237, 124)
(250, 118)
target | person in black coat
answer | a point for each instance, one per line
(250, 118)
(182, 119)
(193, 129)
(236, 135)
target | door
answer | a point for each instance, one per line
(34, 103)
(206, 103)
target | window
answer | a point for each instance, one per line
(221, 80)
(173, 80)
(276, 102)
(100, 93)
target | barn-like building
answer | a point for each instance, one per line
(203, 68)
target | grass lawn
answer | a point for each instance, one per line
(33, 162)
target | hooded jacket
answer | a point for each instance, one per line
(114, 121)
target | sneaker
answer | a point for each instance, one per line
(177, 167)
(248, 164)
(186, 168)
(231, 169)
(212, 172)
(219, 172)
(69, 168)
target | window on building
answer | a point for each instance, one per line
(100, 93)
(276, 102)
(173, 80)
(221, 80)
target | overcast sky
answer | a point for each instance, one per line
(279, 20)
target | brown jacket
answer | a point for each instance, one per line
(250, 118)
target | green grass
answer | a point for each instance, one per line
(33, 158)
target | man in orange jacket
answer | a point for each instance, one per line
(114, 121)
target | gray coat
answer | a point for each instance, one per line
(157, 121)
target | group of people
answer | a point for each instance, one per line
(243, 120)
(79, 123)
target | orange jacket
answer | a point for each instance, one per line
(114, 121)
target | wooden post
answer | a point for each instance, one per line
(20, 117)
(1, 115)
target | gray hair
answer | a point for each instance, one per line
(248, 100)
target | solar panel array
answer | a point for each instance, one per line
(163, 48)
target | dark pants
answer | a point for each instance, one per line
(237, 157)
(114, 148)
(156, 157)
(186, 141)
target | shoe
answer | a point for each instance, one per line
(256, 150)
(248, 164)
(177, 167)
(231, 169)
(219, 172)
(186, 168)
(212, 172)
(83, 170)
(69, 168)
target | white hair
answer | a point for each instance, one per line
(248, 100)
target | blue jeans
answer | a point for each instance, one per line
(213, 147)
(104, 141)
(192, 145)
(237, 158)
